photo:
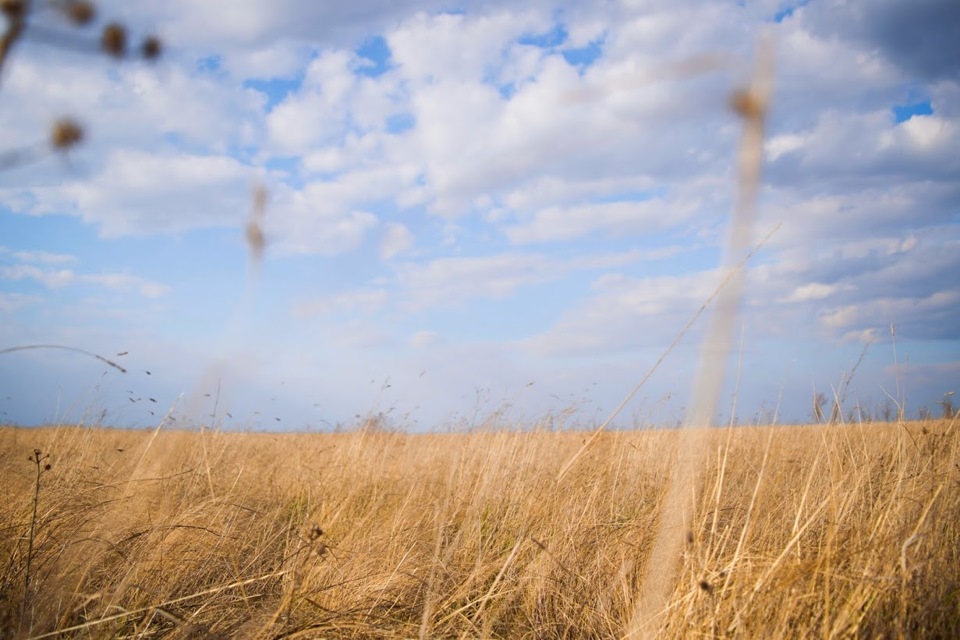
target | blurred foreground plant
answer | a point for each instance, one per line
(113, 40)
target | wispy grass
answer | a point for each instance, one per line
(800, 531)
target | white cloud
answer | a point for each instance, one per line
(44, 257)
(60, 278)
(477, 141)
(274, 60)
(866, 147)
(397, 239)
(41, 257)
(614, 218)
(319, 231)
(813, 291)
(129, 105)
(626, 312)
(319, 113)
(140, 193)
(333, 216)
(928, 134)
(52, 279)
(451, 47)
(879, 313)
(452, 281)
(783, 144)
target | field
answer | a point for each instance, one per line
(827, 531)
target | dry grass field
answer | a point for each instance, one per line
(820, 531)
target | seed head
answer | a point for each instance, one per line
(66, 133)
(747, 104)
(12, 9)
(79, 12)
(255, 240)
(151, 48)
(114, 40)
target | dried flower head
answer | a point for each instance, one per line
(255, 240)
(66, 133)
(12, 9)
(79, 12)
(151, 48)
(114, 40)
(747, 104)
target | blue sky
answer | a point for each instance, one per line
(478, 208)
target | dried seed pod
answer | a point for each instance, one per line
(79, 12)
(114, 40)
(151, 48)
(255, 240)
(66, 133)
(746, 104)
(13, 9)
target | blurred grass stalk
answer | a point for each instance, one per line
(676, 522)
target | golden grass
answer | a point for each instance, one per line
(849, 531)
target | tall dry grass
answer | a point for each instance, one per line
(840, 531)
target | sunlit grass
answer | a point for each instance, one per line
(822, 531)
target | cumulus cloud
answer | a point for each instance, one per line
(866, 147)
(139, 192)
(597, 133)
(332, 102)
(922, 38)
(928, 317)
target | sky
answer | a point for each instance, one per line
(478, 212)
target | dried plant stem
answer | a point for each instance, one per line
(38, 459)
(66, 348)
(16, 22)
(899, 401)
(706, 303)
(167, 603)
(680, 500)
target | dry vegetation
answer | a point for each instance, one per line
(830, 531)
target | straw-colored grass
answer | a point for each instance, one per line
(842, 531)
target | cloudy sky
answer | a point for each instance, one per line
(477, 207)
